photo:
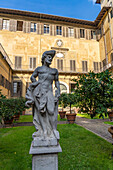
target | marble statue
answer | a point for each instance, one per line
(45, 105)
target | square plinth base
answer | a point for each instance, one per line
(45, 162)
(45, 157)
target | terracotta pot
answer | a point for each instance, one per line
(16, 117)
(8, 121)
(110, 114)
(23, 112)
(62, 114)
(71, 118)
(110, 130)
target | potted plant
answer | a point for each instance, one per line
(23, 106)
(6, 111)
(110, 114)
(72, 115)
(19, 106)
(63, 103)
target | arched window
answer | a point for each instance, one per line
(63, 88)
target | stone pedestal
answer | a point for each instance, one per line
(45, 157)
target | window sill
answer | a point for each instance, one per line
(46, 33)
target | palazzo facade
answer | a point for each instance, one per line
(80, 46)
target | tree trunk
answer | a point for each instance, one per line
(70, 108)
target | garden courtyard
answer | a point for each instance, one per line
(86, 144)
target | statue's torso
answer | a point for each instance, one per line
(46, 76)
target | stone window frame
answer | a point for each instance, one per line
(19, 25)
(73, 65)
(32, 63)
(60, 64)
(58, 30)
(93, 34)
(82, 33)
(70, 32)
(5, 24)
(18, 62)
(33, 27)
(97, 66)
(46, 28)
(84, 66)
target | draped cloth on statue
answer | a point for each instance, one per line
(45, 109)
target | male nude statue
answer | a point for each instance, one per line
(40, 96)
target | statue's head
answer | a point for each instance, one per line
(47, 56)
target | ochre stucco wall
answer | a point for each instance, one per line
(29, 45)
(5, 71)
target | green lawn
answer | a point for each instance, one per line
(25, 118)
(88, 116)
(108, 122)
(82, 150)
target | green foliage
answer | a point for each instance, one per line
(67, 99)
(10, 107)
(70, 100)
(108, 122)
(94, 93)
(63, 100)
(1, 97)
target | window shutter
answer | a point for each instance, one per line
(97, 67)
(86, 34)
(19, 62)
(51, 29)
(89, 35)
(28, 27)
(100, 66)
(66, 31)
(24, 26)
(1, 23)
(63, 32)
(86, 66)
(14, 25)
(30, 62)
(58, 63)
(78, 31)
(11, 25)
(15, 62)
(54, 30)
(34, 62)
(38, 28)
(42, 28)
(94, 66)
(71, 65)
(74, 68)
(75, 33)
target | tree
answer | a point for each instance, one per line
(63, 100)
(94, 93)
(70, 100)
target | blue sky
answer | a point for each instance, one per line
(80, 9)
